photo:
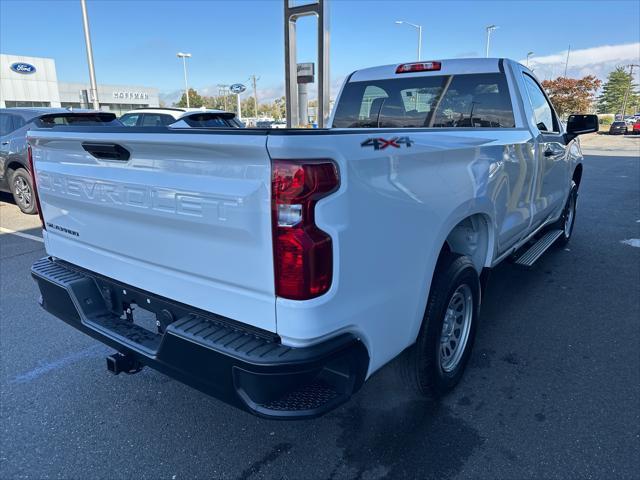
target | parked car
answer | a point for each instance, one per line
(264, 123)
(618, 128)
(285, 267)
(636, 128)
(160, 117)
(15, 172)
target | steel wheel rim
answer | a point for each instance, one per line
(455, 328)
(22, 191)
(570, 217)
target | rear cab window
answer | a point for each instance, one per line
(438, 101)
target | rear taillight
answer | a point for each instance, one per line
(35, 185)
(419, 67)
(303, 254)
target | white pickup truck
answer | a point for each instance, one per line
(283, 267)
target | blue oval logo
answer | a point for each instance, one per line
(24, 68)
(237, 88)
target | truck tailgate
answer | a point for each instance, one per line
(187, 216)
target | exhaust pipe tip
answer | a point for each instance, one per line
(118, 363)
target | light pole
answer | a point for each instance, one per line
(419, 28)
(489, 29)
(184, 57)
(529, 55)
(87, 41)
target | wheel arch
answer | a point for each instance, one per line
(14, 165)
(472, 236)
(577, 174)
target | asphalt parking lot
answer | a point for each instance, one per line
(552, 390)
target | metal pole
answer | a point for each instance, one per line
(184, 57)
(490, 29)
(239, 109)
(291, 15)
(186, 83)
(486, 53)
(87, 41)
(255, 95)
(303, 104)
(529, 55)
(419, 29)
(566, 64)
(324, 78)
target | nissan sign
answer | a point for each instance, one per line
(24, 68)
(237, 88)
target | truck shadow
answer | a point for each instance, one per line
(387, 431)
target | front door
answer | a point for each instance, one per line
(551, 186)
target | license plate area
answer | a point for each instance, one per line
(133, 317)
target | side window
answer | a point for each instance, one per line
(156, 120)
(542, 111)
(6, 124)
(130, 120)
(18, 122)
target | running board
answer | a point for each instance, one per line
(529, 257)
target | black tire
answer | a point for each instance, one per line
(21, 186)
(567, 223)
(422, 365)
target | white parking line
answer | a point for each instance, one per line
(633, 242)
(20, 234)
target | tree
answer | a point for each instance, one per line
(571, 95)
(195, 100)
(618, 83)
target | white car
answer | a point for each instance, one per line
(286, 266)
(192, 117)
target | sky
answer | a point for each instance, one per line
(135, 42)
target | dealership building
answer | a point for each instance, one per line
(33, 82)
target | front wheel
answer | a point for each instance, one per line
(21, 186)
(435, 364)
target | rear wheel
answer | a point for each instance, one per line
(568, 218)
(435, 364)
(21, 186)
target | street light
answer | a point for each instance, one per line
(87, 42)
(529, 55)
(184, 57)
(490, 29)
(419, 28)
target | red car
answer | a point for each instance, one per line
(636, 128)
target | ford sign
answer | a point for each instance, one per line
(237, 88)
(23, 68)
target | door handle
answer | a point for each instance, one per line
(107, 151)
(4, 143)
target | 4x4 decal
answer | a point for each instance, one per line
(382, 143)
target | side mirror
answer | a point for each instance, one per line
(581, 124)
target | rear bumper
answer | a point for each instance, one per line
(241, 365)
